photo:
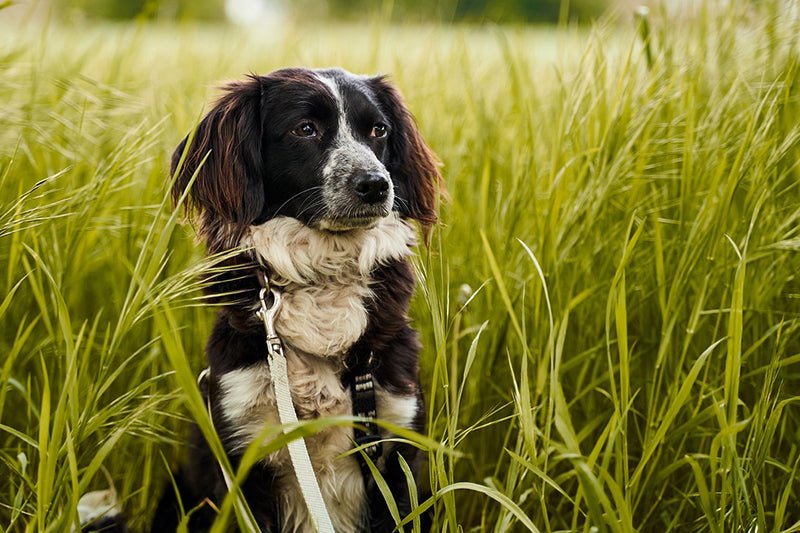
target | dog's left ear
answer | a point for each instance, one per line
(413, 166)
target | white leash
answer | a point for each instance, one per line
(298, 452)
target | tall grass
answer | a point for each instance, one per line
(610, 308)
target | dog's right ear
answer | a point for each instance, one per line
(227, 194)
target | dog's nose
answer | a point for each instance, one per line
(371, 187)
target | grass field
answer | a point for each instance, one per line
(610, 307)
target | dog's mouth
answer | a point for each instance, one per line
(339, 225)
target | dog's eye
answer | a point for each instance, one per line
(306, 129)
(378, 131)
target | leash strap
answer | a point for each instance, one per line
(364, 406)
(309, 486)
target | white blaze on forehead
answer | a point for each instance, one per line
(348, 154)
(345, 134)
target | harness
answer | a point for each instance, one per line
(358, 375)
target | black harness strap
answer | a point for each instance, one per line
(362, 391)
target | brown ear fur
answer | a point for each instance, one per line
(228, 192)
(412, 162)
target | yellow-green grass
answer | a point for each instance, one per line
(628, 356)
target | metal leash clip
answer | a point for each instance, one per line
(268, 314)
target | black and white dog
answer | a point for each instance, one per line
(315, 175)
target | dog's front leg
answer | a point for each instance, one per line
(381, 519)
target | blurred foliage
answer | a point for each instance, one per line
(502, 11)
(530, 11)
(506, 11)
(147, 9)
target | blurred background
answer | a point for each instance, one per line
(276, 12)
(249, 12)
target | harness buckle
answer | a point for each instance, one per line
(371, 441)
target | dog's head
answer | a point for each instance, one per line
(334, 150)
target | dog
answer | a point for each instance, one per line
(317, 178)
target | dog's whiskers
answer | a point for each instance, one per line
(304, 191)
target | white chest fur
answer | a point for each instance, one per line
(324, 279)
